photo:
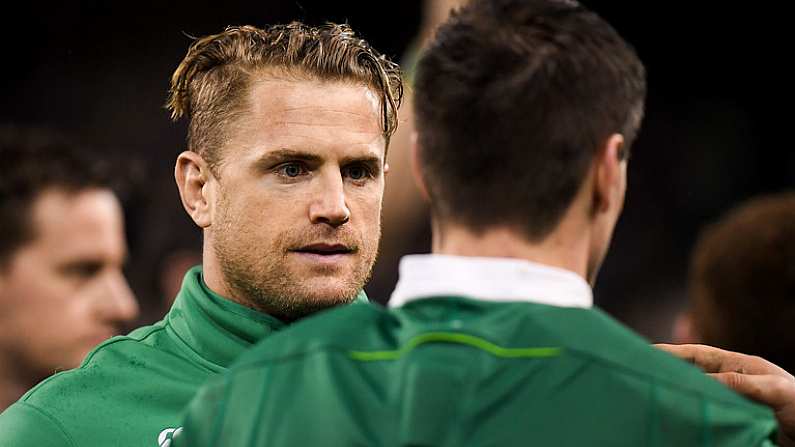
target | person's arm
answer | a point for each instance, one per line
(751, 376)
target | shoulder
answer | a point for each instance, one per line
(23, 424)
(117, 360)
(675, 392)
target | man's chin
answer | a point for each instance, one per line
(329, 290)
(308, 305)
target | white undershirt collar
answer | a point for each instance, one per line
(492, 279)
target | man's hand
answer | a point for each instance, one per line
(751, 376)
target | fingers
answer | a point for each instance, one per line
(773, 390)
(715, 360)
(751, 376)
(705, 357)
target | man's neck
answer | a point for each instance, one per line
(214, 278)
(570, 253)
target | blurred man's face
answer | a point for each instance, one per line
(63, 293)
(297, 216)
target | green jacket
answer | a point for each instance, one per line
(452, 371)
(130, 390)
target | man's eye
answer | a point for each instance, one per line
(357, 172)
(291, 170)
(83, 270)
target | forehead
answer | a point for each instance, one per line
(82, 223)
(333, 117)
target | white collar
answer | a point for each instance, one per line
(492, 279)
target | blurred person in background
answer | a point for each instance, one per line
(62, 248)
(742, 282)
(526, 112)
(742, 298)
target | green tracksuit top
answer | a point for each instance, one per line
(130, 390)
(456, 371)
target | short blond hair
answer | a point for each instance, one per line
(210, 84)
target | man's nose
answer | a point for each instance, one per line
(329, 205)
(119, 304)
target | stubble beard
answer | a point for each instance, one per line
(261, 277)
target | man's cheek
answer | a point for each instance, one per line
(371, 211)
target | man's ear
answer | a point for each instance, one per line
(194, 181)
(416, 170)
(610, 174)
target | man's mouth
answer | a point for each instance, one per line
(322, 249)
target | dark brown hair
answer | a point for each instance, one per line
(513, 99)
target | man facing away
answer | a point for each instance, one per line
(285, 173)
(526, 112)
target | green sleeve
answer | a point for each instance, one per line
(23, 425)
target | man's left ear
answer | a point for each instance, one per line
(610, 164)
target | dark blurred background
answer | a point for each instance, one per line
(717, 129)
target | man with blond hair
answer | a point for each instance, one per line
(284, 172)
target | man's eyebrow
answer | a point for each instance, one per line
(280, 155)
(365, 158)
